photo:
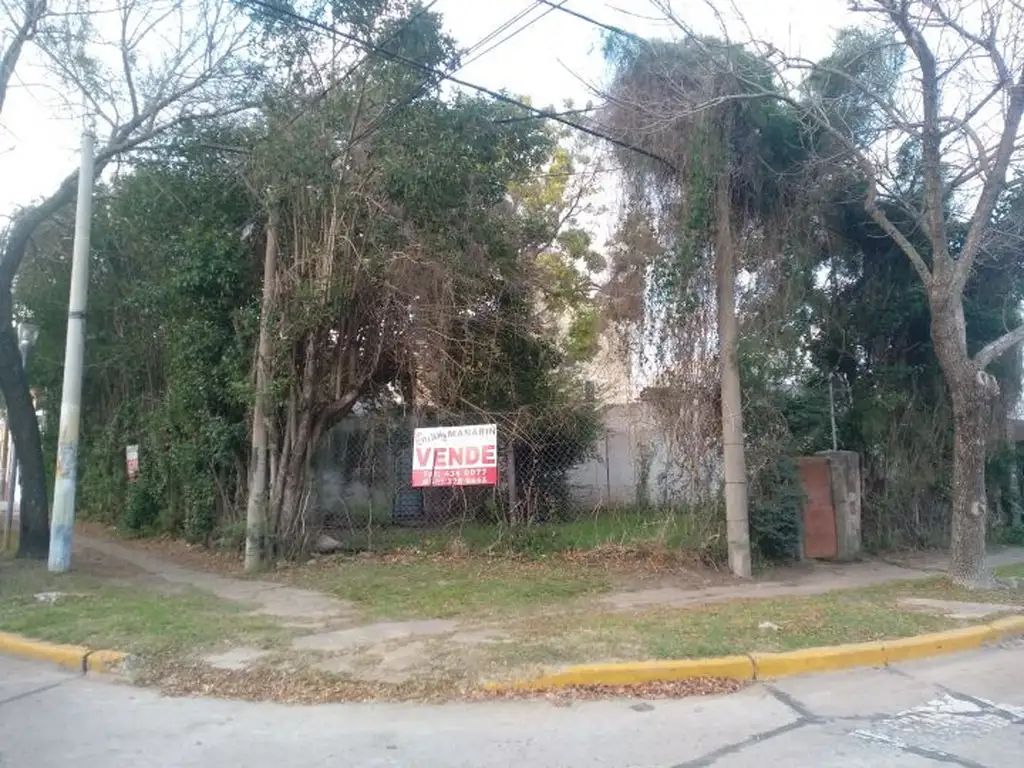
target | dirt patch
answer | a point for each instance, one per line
(348, 639)
(174, 551)
(648, 565)
(92, 563)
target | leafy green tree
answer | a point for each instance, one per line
(135, 101)
(167, 358)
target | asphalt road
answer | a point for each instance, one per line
(965, 710)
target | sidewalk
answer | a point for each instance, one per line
(261, 638)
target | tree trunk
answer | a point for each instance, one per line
(967, 546)
(34, 536)
(736, 514)
(256, 509)
(295, 482)
(972, 393)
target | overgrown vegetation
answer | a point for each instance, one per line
(339, 242)
(405, 283)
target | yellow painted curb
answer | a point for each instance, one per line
(818, 660)
(102, 662)
(760, 666)
(937, 643)
(70, 656)
(1001, 629)
(639, 672)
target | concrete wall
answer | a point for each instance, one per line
(638, 464)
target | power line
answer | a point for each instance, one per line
(352, 69)
(418, 91)
(590, 20)
(503, 26)
(527, 25)
(412, 64)
(547, 115)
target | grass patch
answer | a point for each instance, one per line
(734, 627)
(673, 529)
(724, 629)
(1015, 571)
(445, 587)
(135, 619)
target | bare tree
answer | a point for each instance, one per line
(141, 68)
(958, 108)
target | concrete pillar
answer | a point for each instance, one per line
(844, 470)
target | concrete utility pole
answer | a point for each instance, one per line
(27, 335)
(63, 520)
(737, 519)
(256, 509)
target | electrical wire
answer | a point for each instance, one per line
(591, 20)
(352, 69)
(415, 65)
(527, 25)
(418, 91)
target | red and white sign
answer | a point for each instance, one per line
(455, 456)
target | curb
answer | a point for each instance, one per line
(763, 666)
(77, 658)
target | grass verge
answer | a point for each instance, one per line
(581, 636)
(672, 529)
(81, 609)
(412, 586)
(1015, 571)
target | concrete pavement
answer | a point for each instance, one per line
(965, 710)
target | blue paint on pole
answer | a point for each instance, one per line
(60, 548)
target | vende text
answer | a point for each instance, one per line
(465, 455)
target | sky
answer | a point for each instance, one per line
(554, 58)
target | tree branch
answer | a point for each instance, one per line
(126, 61)
(999, 347)
(931, 133)
(34, 11)
(994, 184)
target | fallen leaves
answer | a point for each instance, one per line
(283, 684)
(291, 686)
(662, 689)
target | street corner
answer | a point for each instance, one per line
(68, 656)
(107, 662)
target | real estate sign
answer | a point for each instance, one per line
(466, 455)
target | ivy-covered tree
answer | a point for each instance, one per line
(720, 199)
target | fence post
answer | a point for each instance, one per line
(607, 472)
(513, 501)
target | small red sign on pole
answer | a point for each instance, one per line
(466, 455)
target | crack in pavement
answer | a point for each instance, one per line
(986, 707)
(730, 749)
(26, 694)
(805, 716)
(939, 756)
(791, 702)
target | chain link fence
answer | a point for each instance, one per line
(565, 466)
